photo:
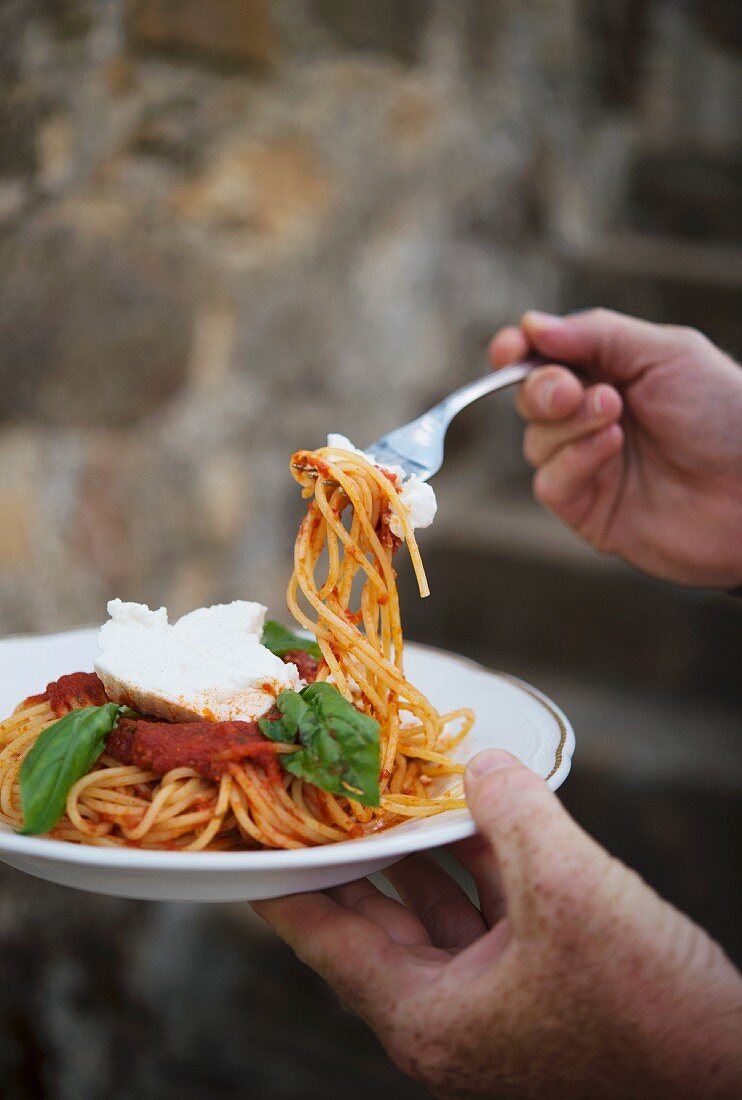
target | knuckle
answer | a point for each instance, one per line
(579, 881)
(600, 315)
(604, 887)
(691, 338)
(692, 948)
(607, 874)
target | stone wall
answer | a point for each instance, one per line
(222, 223)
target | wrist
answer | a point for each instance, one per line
(694, 1041)
(704, 1058)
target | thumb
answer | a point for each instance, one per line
(603, 343)
(543, 856)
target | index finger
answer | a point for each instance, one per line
(351, 952)
(477, 857)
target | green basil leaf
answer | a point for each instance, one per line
(127, 712)
(62, 754)
(280, 640)
(338, 747)
(295, 713)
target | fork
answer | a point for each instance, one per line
(418, 446)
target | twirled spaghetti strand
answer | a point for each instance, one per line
(363, 648)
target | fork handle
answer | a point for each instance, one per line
(448, 408)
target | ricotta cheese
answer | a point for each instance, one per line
(419, 500)
(209, 664)
(416, 495)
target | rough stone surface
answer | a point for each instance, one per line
(669, 194)
(225, 30)
(93, 334)
(206, 264)
(384, 25)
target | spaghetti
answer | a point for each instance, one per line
(343, 553)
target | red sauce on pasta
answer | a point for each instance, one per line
(207, 747)
(305, 662)
(78, 689)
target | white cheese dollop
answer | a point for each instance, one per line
(416, 495)
(209, 664)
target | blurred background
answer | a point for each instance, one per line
(223, 223)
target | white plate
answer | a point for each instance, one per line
(510, 715)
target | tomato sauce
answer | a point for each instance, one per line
(305, 662)
(207, 747)
(78, 689)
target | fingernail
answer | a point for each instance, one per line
(539, 319)
(490, 761)
(546, 392)
(597, 400)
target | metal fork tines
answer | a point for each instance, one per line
(418, 446)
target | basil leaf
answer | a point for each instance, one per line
(294, 712)
(127, 712)
(338, 746)
(62, 754)
(280, 640)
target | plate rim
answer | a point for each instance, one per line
(379, 846)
